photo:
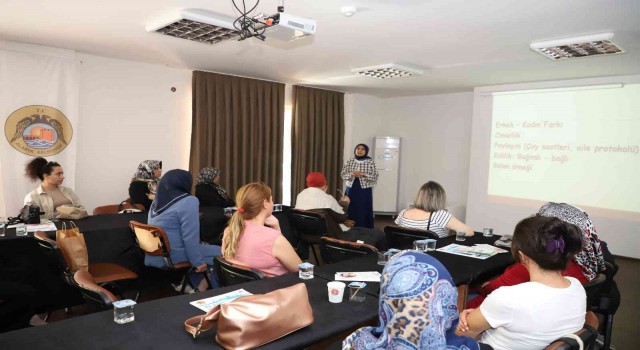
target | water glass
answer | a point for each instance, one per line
(461, 236)
(229, 211)
(21, 230)
(123, 311)
(487, 232)
(420, 245)
(3, 227)
(355, 294)
(305, 271)
(431, 244)
(277, 208)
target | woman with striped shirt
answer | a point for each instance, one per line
(429, 213)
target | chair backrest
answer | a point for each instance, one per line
(152, 240)
(51, 248)
(230, 274)
(335, 250)
(116, 208)
(94, 294)
(308, 223)
(402, 237)
(587, 334)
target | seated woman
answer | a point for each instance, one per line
(584, 267)
(429, 213)
(50, 194)
(253, 238)
(418, 308)
(533, 314)
(175, 210)
(144, 184)
(315, 198)
(209, 191)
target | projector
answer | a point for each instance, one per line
(287, 27)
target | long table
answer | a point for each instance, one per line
(464, 270)
(159, 324)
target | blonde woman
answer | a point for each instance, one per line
(429, 213)
(253, 238)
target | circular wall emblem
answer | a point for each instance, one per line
(38, 131)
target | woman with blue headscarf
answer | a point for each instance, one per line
(360, 175)
(418, 308)
(175, 210)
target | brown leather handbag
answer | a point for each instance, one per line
(255, 320)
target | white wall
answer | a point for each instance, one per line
(435, 132)
(128, 114)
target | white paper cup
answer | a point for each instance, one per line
(336, 291)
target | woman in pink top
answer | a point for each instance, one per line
(253, 238)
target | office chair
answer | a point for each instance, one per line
(403, 238)
(103, 273)
(95, 295)
(152, 240)
(334, 250)
(587, 336)
(230, 274)
(310, 226)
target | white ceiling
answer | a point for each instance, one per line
(461, 43)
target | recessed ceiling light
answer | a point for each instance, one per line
(580, 46)
(197, 25)
(387, 71)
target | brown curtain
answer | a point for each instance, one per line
(317, 138)
(237, 126)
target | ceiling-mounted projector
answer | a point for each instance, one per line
(208, 27)
(287, 27)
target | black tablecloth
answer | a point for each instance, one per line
(159, 324)
(463, 270)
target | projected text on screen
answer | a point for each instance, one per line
(574, 146)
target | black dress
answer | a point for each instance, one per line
(138, 191)
(209, 197)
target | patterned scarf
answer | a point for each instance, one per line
(206, 177)
(418, 308)
(590, 259)
(145, 173)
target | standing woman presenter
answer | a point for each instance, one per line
(360, 175)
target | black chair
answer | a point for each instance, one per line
(230, 274)
(310, 227)
(587, 335)
(96, 296)
(334, 250)
(152, 240)
(403, 238)
(105, 274)
(603, 298)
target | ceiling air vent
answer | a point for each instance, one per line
(580, 46)
(387, 71)
(197, 25)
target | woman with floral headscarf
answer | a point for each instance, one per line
(360, 175)
(418, 308)
(144, 183)
(209, 191)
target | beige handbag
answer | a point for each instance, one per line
(255, 320)
(71, 212)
